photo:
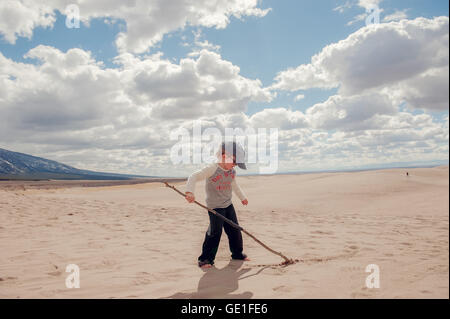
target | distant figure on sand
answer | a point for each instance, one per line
(407, 174)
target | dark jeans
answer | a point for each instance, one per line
(212, 236)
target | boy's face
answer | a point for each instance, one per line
(228, 161)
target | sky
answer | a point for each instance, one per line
(348, 84)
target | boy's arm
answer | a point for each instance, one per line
(237, 190)
(199, 175)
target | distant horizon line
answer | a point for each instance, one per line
(360, 169)
(391, 165)
(3, 177)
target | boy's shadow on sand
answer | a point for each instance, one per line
(220, 283)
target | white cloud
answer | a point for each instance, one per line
(400, 137)
(358, 112)
(359, 17)
(305, 76)
(65, 90)
(194, 88)
(146, 21)
(371, 8)
(72, 88)
(376, 57)
(427, 91)
(299, 97)
(365, 4)
(70, 107)
(70, 101)
(373, 80)
(20, 18)
(369, 4)
(208, 46)
(200, 44)
(280, 118)
(341, 8)
(396, 16)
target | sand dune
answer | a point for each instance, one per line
(142, 240)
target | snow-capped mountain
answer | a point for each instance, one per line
(14, 164)
(18, 163)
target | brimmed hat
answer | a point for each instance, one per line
(235, 149)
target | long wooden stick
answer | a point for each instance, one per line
(286, 260)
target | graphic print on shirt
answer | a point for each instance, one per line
(222, 181)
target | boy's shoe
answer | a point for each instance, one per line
(241, 257)
(205, 263)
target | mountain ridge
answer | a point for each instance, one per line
(15, 165)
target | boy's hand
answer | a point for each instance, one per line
(245, 202)
(190, 197)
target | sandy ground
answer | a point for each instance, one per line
(143, 240)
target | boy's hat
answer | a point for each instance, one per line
(233, 148)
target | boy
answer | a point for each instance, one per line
(220, 182)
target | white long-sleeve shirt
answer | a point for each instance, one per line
(219, 185)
